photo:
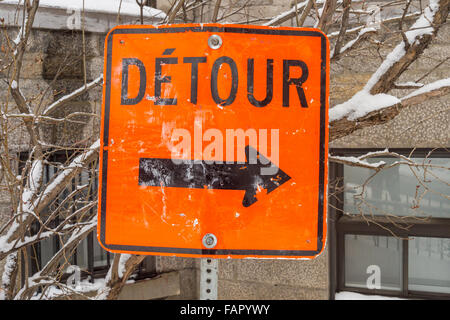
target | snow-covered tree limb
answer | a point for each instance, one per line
(58, 200)
(326, 16)
(372, 105)
(119, 272)
(173, 11)
(387, 20)
(385, 108)
(419, 37)
(286, 15)
(344, 25)
(51, 265)
(356, 162)
(8, 276)
(74, 94)
(33, 208)
(363, 34)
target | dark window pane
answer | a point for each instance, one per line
(429, 264)
(367, 257)
(82, 254)
(48, 250)
(100, 258)
(397, 191)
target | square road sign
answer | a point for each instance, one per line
(214, 141)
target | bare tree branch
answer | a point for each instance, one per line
(327, 15)
(343, 30)
(343, 127)
(285, 16)
(419, 37)
(121, 268)
(55, 105)
(174, 10)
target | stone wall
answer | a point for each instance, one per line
(254, 11)
(274, 279)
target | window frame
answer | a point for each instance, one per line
(341, 225)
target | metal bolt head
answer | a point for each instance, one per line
(209, 240)
(215, 41)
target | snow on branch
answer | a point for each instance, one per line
(418, 38)
(59, 183)
(372, 105)
(121, 268)
(326, 15)
(72, 95)
(434, 88)
(364, 110)
(33, 208)
(361, 104)
(62, 228)
(54, 289)
(334, 34)
(286, 15)
(363, 33)
(70, 244)
(38, 279)
(357, 161)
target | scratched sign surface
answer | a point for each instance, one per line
(214, 141)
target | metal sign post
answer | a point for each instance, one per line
(208, 278)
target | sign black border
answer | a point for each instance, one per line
(221, 29)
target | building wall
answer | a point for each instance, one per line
(249, 10)
(274, 279)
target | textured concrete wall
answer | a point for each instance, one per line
(189, 274)
(253, 11)
(274, 279)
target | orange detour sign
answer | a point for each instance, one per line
(214, 141)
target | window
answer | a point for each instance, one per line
(151, 3)
(92, 259)
(392, 236)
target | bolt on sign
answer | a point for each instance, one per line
(214, 141)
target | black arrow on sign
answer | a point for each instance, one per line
(197, 174)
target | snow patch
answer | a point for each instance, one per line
(121, 268)
(361, 104)
(410, 84)
(127, 7)
(285, 13)
(352, 42)
(346, 295)
(429, 87)
(356, 160)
